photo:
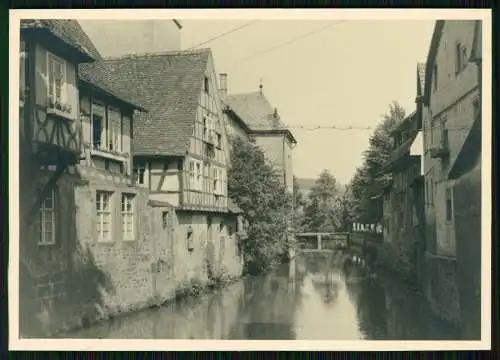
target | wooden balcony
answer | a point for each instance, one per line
(57, 134)
(402, 151)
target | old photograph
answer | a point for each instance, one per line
(187, 178)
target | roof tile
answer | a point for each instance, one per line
(255, 110)
(168, 85)
(69, 31)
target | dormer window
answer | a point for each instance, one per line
(56, 72)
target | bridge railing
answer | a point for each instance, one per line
(322, 240)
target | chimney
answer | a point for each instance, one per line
(223, 84)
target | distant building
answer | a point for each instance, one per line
(114, 38)
(404, 217)
(252, 116)
(452, 103)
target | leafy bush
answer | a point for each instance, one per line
(267, 206)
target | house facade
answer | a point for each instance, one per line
(72, 192)
(180, 155)
(111, 223)
(451, 100)
(405, 216)
(252, 116)
(466, 172)
(133, 36)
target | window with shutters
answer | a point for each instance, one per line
(56, 73)
(114, 128)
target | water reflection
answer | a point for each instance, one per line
(315, 297)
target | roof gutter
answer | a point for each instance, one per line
(275, 131)
(99, 89)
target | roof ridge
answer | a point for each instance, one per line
(159, 53)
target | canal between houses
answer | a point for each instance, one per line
(315, 297)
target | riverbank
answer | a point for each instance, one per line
(193, 288)
(289, 303)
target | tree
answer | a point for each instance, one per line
(255, 187)
(299, 204)
(374, 175)
(345, 210)
(320, 213)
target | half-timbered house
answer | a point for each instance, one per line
(180, 153)
(79, 207)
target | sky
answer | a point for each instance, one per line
(346, 73)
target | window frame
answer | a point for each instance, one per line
(114, 129)
(435, 78)
(449, 204)
(199, 175)
(458, 58)
(100, 213)
(192, 174)
(41, 223)
(101, 132)
(476, 107)
(51, 58)
(130, 198)
(140, 166)
(206, 85)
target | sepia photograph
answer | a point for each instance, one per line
(305, 178)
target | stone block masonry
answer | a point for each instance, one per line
(80, 279)
(441, 288)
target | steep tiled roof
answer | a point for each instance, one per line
(88, 74)
(69, 31)
(255, 110)
(168, 85)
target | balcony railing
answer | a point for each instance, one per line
(439, 150)
(402, 150)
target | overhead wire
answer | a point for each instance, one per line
(346, 128)
(237, 28)
(291, 41)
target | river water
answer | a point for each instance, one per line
(315, 297)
